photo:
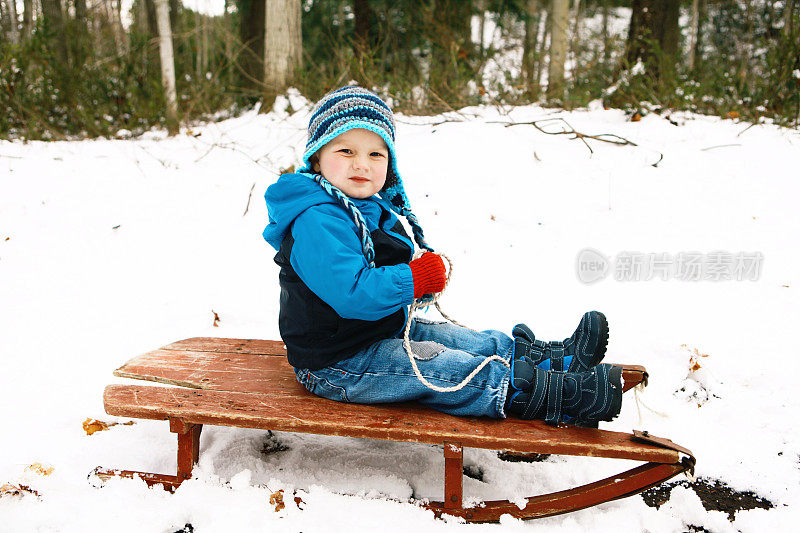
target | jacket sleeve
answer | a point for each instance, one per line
(327, 256)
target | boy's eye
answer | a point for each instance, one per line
(346, 150)
(376, 154)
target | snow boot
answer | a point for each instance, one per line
(578, 353)
(581, 398)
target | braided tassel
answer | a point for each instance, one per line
(355, 214)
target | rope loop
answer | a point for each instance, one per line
(425, 301)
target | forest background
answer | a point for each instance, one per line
(88, 68)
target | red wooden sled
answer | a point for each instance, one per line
(249, 384)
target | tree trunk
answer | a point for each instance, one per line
(653, 37)
(152, 24)
(80, 10)
(788, 18)
(228, 24)
(198, 45)
(529, 48)
(54, 21)
(251, 32)
(27, 18)
(606, 47)
(282, 46)
(693, 29)
(545, 24)
(361, 41)
(167, 65)
(451, 46)
(575, 42)
(13, 21)
(558, 49)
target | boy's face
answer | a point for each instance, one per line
(355, 162)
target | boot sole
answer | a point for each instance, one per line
(599, 353)
(615, 377)
(602, 341)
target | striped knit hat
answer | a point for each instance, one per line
(350, 108)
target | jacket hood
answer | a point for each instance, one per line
(286, 199)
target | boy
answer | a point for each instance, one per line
(347, 279)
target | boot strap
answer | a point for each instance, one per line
(555, 397)
(538, 395)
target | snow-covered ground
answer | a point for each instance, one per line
(110, 248)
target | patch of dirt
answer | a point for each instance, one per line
(272, 445)
(713, 493)
(523, 457)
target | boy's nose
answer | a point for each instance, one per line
(360, 163)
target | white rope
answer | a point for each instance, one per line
(434, 299)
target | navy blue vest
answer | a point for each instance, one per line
(314, 334)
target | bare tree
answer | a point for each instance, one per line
(54, 19)
(693, 29)
(558, 49)
(653, 37)
(167, 64)
(547, 16)
(529, 47)
(282, 45)
(10, 12)
(27, 18)
(361, 12)
(251, 32)
(788, 17)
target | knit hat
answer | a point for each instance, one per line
(349, 108)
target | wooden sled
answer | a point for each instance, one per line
(249, 384)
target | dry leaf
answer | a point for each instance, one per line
(276, 499)
(37, 468)
(732, 114)
(491, 217)
(216, 319)
(16, 490)
(636, 117)
(288, 170)
(90, 425)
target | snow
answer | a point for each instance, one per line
(110, 248)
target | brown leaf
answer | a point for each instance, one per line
(491, 217)
(732, 115)
(91, 426)
(37, 468)
(276, 499)
(636, 117)
(288, 170)
(16, 490)
(216, 319)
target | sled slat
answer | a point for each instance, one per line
(219, 345)
(240, 372)
(295, 410)
(239, 365)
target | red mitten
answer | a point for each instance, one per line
(429, 274)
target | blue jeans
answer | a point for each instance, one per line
(445, 354)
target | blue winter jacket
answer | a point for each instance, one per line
(332, 302)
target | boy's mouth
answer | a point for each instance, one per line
(359, 179)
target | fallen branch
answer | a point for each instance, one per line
(604, 137)
(718, 146)
(611, 138)
(250, 195)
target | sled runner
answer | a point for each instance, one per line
(249, 384)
